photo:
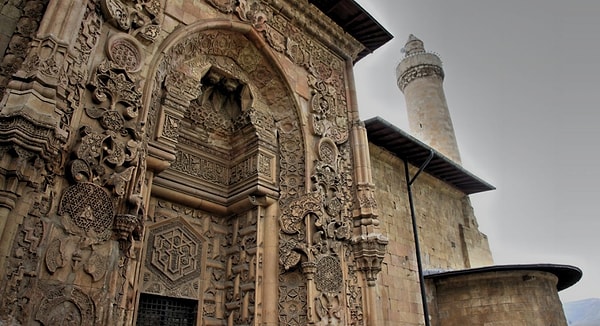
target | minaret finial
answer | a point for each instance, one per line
(413, 45)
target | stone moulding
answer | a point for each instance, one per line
(34, 134)
(307, 17)
(419, 71)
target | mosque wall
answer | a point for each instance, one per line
(443, 215)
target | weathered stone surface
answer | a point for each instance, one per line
(207, 151)
(511, 297)
(442, 213)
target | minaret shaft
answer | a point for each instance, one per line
(420, 77)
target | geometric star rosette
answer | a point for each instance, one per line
(174, 253)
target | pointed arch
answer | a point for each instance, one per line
(237, 51)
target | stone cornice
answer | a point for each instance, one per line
(424, 70)
(312, 20)
(301, 15)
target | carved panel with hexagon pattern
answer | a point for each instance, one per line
(174, 251)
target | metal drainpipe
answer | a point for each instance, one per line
(409, 183)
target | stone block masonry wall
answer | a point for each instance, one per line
(442, 212)
(498, 298)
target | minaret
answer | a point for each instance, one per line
(420, 78)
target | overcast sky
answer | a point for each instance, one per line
(523, 88)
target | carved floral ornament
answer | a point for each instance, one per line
(251, 11)
(140, 18)
(66, 306)
(267, 105)
(327, 207)
(326, 70)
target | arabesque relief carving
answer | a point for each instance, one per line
(31, 14)
(215, 94)
(318, 224)
(316, 229)
(62, 305)
(140, 18)
(113, 155)
(239, 97)
(251, 11)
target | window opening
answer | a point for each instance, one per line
(155, 310)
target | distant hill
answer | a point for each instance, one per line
(583, 313)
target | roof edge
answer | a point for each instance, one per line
(567, 275)
(440, 167)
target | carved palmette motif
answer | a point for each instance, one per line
(251, 11)
(113, 155)
(326, 213)
(316, 224)
(75, 75)
(140, 18)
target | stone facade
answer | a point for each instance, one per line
(204, 156)
(447, 230)
(203, 162)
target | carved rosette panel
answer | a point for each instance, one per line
(88, 206)
(320, 223)
(86, 213)
(110, 149)
(327, 209)
(174, 252)
(66, 306)
(140, 18)
(316, 232)
(125, 53)
(328, 275)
